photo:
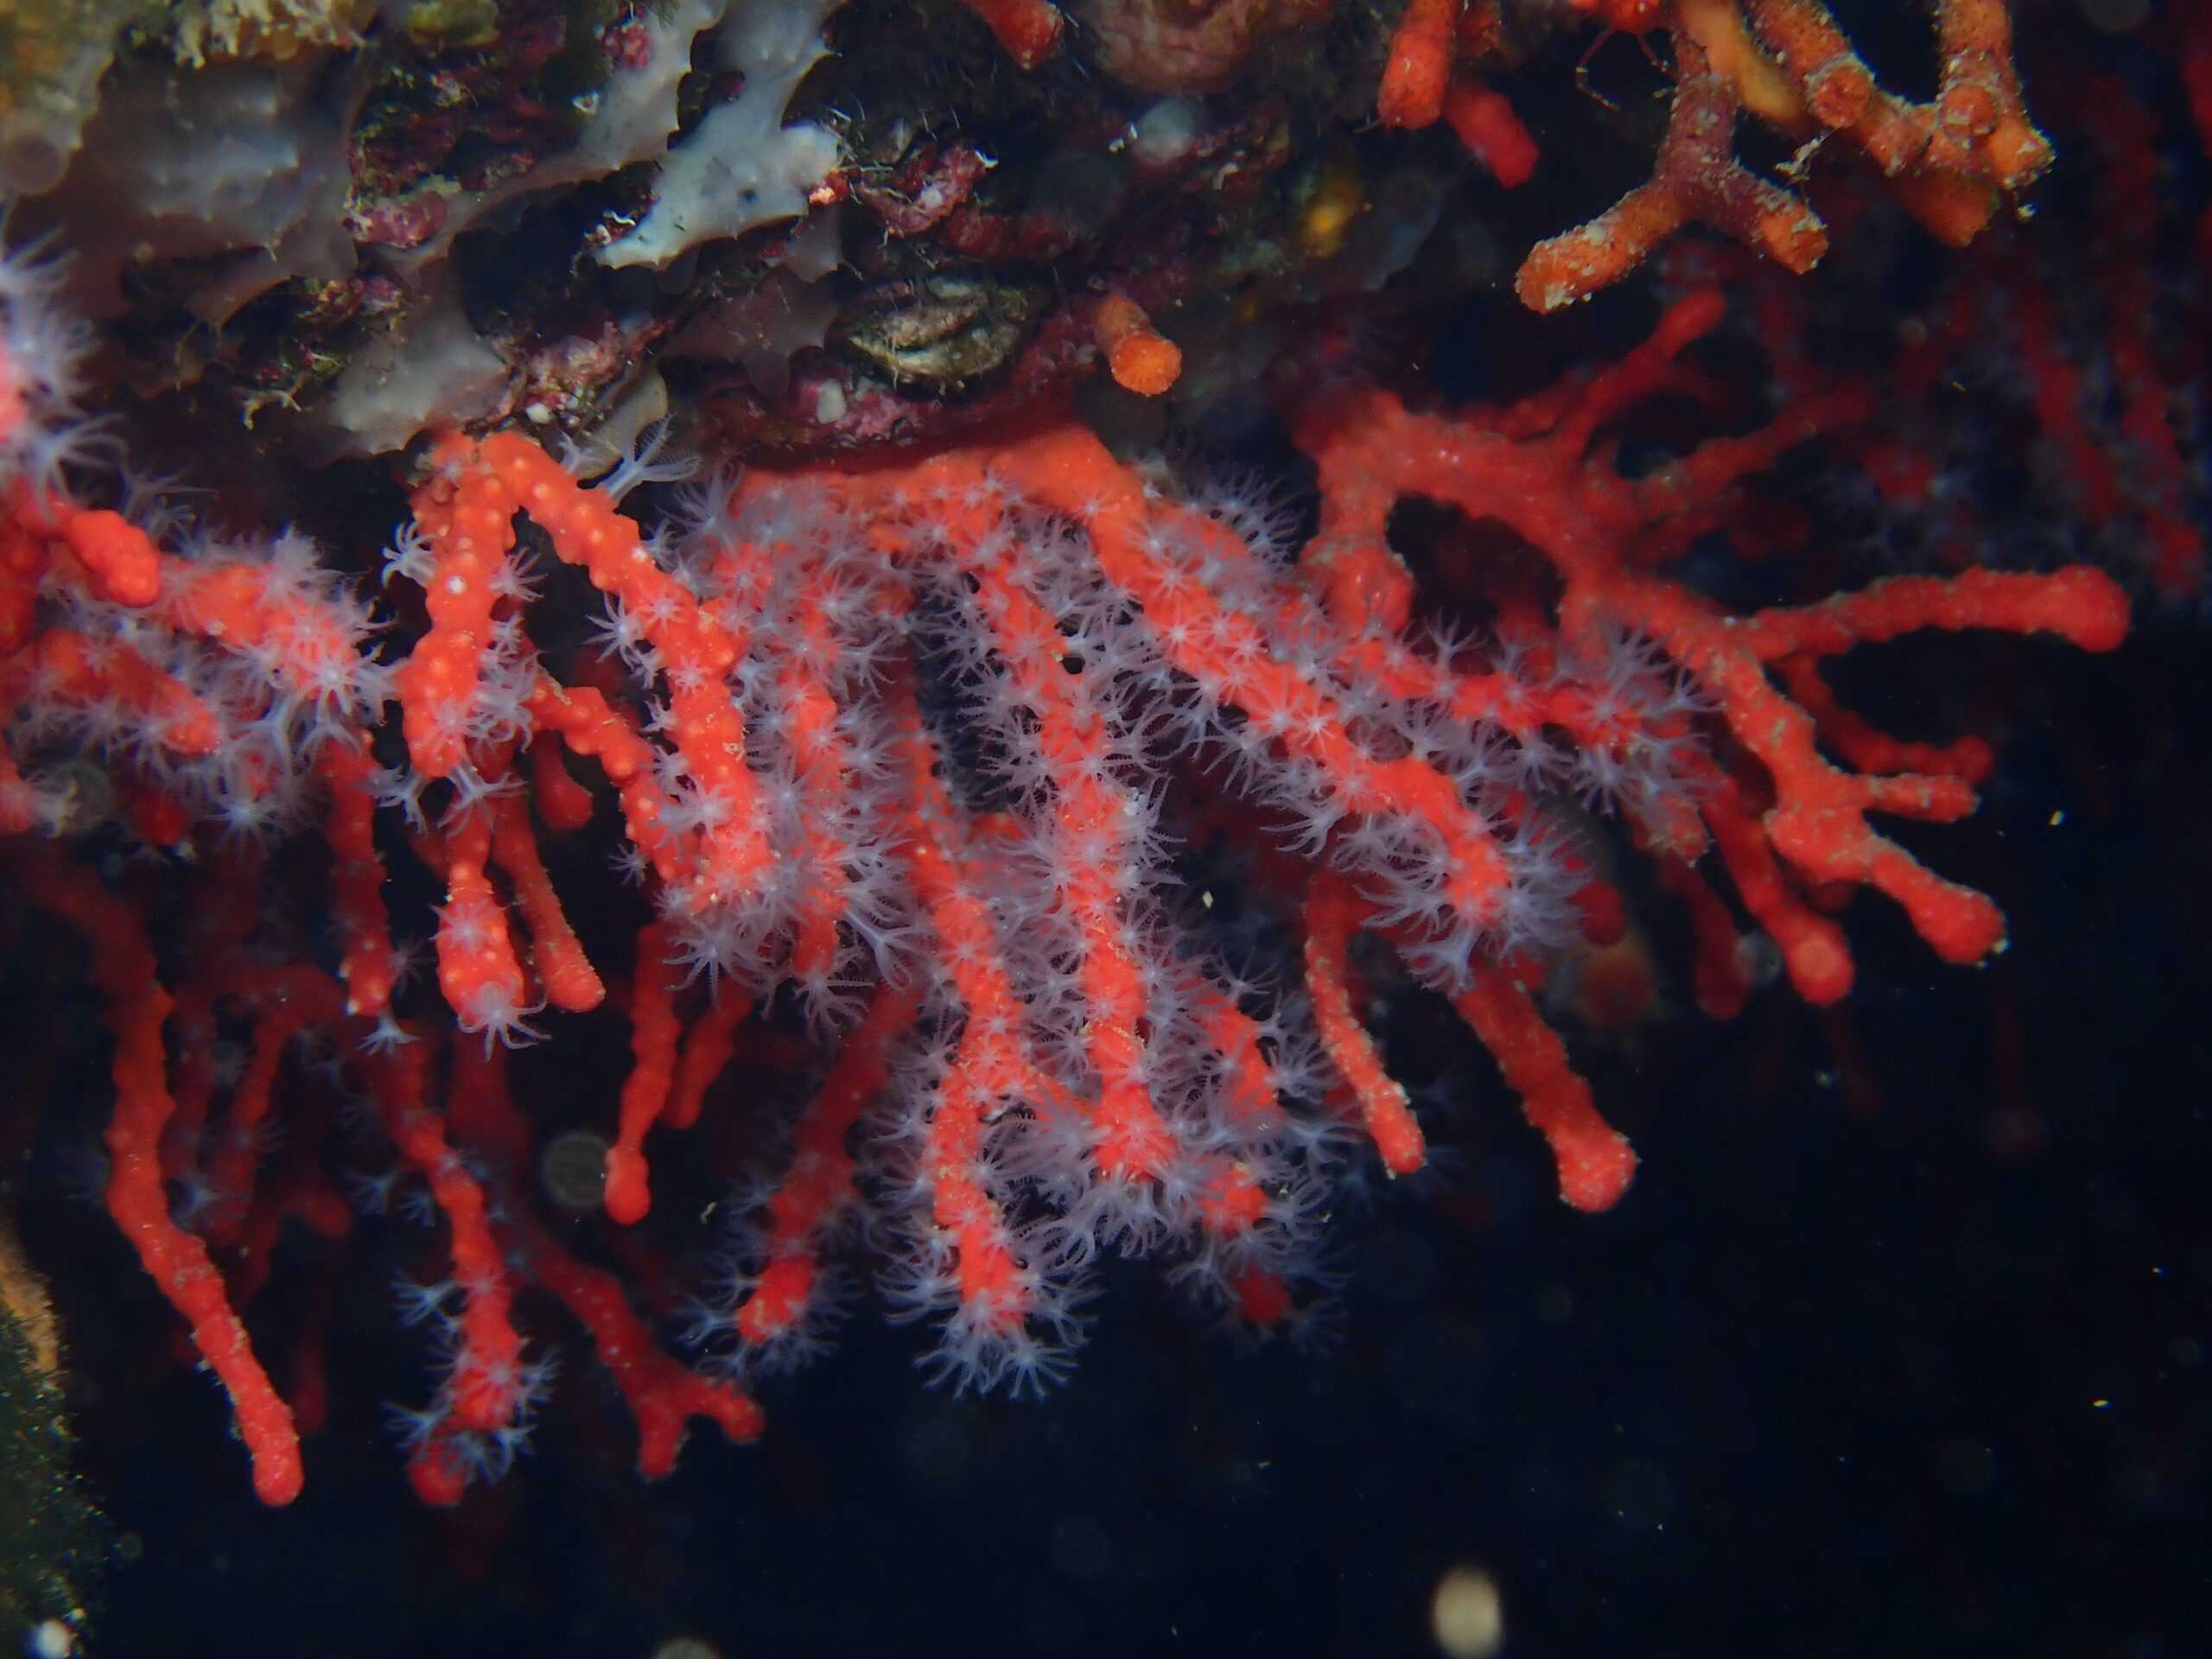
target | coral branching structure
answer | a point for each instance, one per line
(989, 842)
(1952, 160)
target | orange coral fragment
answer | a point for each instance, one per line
(1594, 1160)
(1492, 134)
(1030, 30)
(1412, 93)
(1140, 359)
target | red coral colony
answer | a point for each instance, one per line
(596, 601)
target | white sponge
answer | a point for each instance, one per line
(741, 168)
